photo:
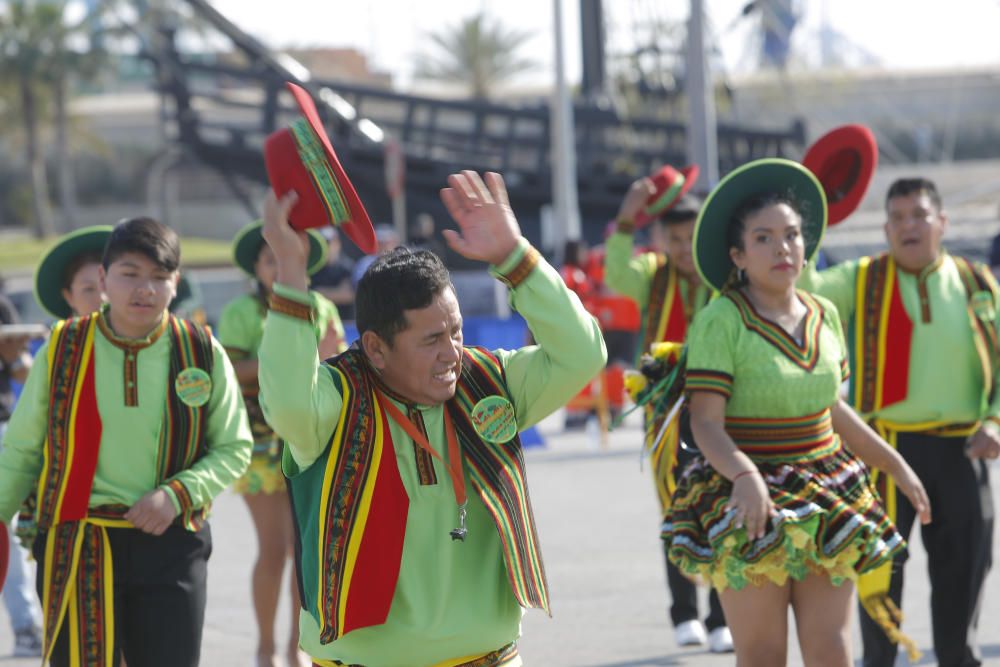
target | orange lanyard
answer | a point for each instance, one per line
(454, 464)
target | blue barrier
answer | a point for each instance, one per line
(490, 332)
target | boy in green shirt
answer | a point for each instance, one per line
(129, 424)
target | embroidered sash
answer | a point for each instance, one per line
(351, 505)
(665, 319)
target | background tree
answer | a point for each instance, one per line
(478, 53)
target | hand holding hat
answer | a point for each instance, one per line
(635, 200)
(488, 230)
(300, 158)
(288, 245)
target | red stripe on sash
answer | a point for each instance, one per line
(380, 553)
(86, 446)
(899, 336)
(676, 329)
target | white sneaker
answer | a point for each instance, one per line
(690, 633)
(720, 640)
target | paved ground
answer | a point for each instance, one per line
(598, 525)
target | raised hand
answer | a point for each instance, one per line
(290, 247)
(908, 482)
(635, 199)
(488, 230)
(752, 504)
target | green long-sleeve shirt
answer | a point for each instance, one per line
(127, 459)
(452, 599)
(631, 276)
(945, 375)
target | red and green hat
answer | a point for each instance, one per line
(670, 185)
(52, 269)
(844, 161)
(246, 248)
(301, 158)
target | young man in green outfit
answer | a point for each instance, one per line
(129, 424)
(922, 334)
(416, 539)
(669, 292)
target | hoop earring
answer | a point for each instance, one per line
(741, 276)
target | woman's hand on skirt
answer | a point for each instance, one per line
(908, 482)
(752, 504)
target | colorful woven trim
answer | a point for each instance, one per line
(625, 226)
(881, 370)
(182, 437)
(290, 307)
(703, 379)
(804, 356)
(498, 658)
(522, 269)
(314, 158)
(497, 474)
(981, 287)
(78, 587)
(69, 457)
(665, 318)
(362, 510)
(801, 439)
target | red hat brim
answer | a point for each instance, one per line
(662, 182)
(844, 161)
(287, 172)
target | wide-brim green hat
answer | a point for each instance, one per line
(711, 250)
(52, 269)
(246, 247)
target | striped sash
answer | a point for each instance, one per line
(800, 439)
(351, 521)
(665, 317)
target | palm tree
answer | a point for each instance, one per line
(25, 41)
(479, 53)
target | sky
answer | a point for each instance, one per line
(941, 34)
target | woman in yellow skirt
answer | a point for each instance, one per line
(241, 326)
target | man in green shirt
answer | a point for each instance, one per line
(922, 333)
(129, 424)
(416, 539)
(669, 292)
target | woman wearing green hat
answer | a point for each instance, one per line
(779, 511)
(241, 326)
(68, 281)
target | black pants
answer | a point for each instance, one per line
(159, 596)
(959, 549)
(683, 592)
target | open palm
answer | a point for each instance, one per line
(488, 230)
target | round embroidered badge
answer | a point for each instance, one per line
(193, 386)
(494, 419)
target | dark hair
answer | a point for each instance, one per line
(751, 206)
(571, 253)
(684, 210)
(902, 187)
(399, 280)
(77, 263)
(157, 242)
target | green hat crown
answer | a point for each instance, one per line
(246, 248)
